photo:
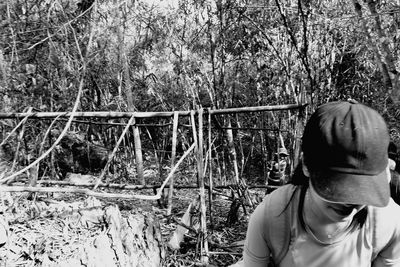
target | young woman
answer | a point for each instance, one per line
(338, 211)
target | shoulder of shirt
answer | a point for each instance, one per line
(387, 217)
(385, 224)
(392, 210)
(273, 204)
(283, 190)
(278, 200)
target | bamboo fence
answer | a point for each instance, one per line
(197, 147)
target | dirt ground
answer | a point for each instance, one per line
(60, 229)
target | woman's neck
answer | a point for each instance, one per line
(322, 227)
(313, 212)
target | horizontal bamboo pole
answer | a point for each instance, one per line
(112, 114)
(142, 187)
(94, 114)
(73, 190)
(257, 109)
(116, 123)
(254, 129)
(79, 191)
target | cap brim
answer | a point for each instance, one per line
(354, 188)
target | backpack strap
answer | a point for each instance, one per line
(279, 210)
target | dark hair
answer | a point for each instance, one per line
(299, 180)
(298, 177)
(392, 151)
(395, 186)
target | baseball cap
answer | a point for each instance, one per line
(346, 144)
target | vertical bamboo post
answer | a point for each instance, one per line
(138, 152)
(232, 151)
(210, 180)
(203, 209)
(218, 167)
(223, 167)
(242, 156)
(299, 129)
(195, 139)
(173, 155)
(263, 152)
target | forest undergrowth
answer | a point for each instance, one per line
(63, 229)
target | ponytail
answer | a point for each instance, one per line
(298, 177)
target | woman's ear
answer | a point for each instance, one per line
(304, 167)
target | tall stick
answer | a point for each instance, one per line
(232, 151)
(138, 151)
(210, 180)
(194, 132)
(173, 155)
(203, 209)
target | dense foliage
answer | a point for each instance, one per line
(215, 53)
(186, 54)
